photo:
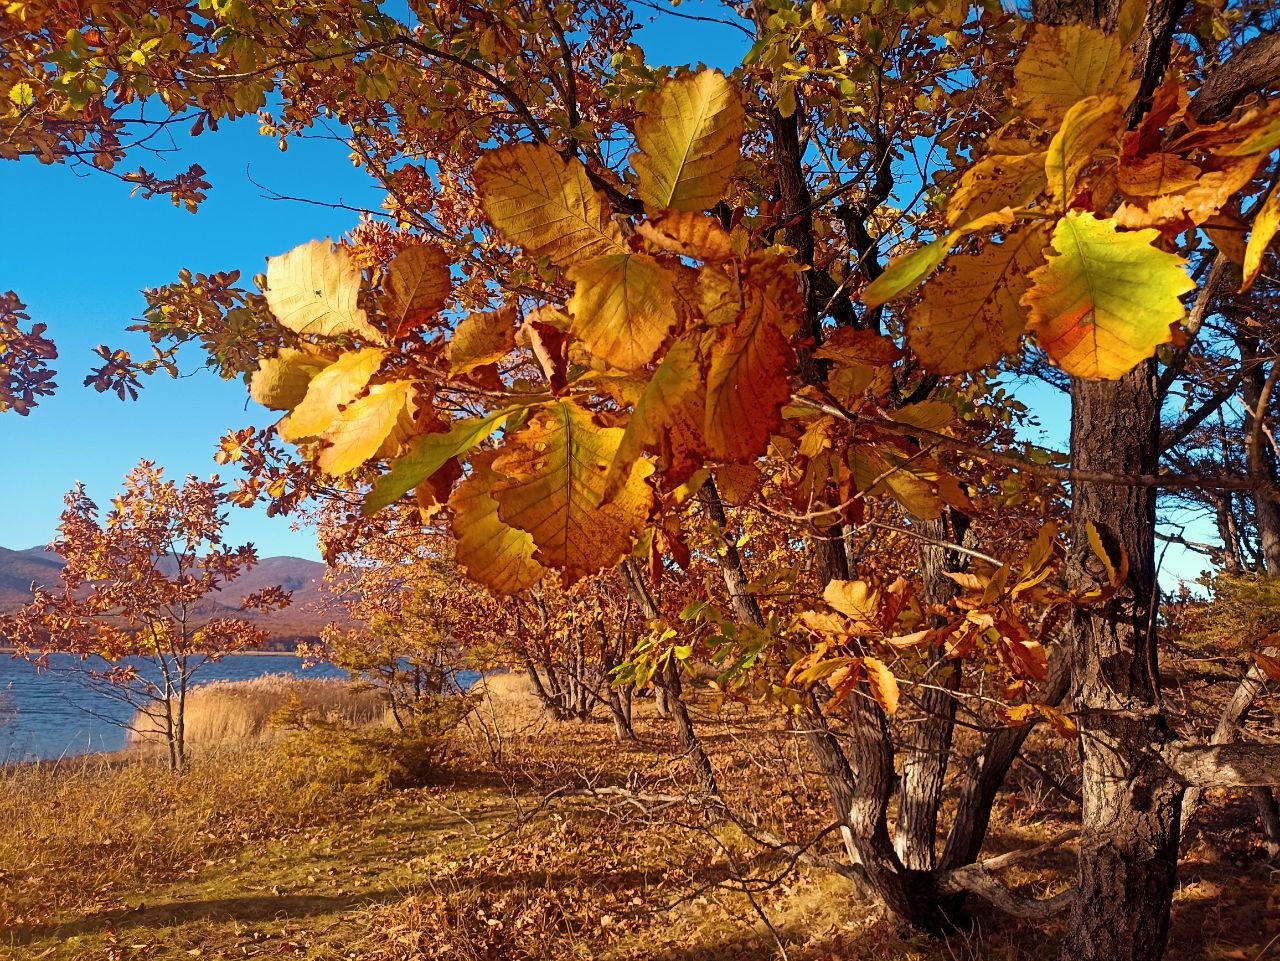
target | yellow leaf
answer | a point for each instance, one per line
(313, 289)
(1003, 180)
(1264, 230)
(691, 235)
(917, 484)
(482, 338)
(497, 555)
(545, 204)
(551, 483)
(21, 94)
(622, 306)
(1063, 725)
(667, 417)
(970, 315)
(361, 427)
(281, 382)
(334, 386)
(689, 138)
(1156, 174)
(750, 360)
(884, 686)
(856, 600)
(1116, 573)
(1211, 192)
(1019, 713)
(1063, 65)
(904, 274)
(1107, 300)
(1087, 126)
(418, 287)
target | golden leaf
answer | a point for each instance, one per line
(1213, 191)
(750, 360)
(1004, 180)
(689, 138)
(622, 306)
(1156, 174)
(545, 204)
(856, 600)
(884, 686)
(281, 382)
(691, 235)
(482, 338)
(337, 384)
(552, 481)
(1264, 230)
(1063, 65)
(418, 287)
(1087, 126)
(970, 315)
(497, 555)
(1106, 300)
(360, 428)
(667, 417)
(314, 289)
(913, 484)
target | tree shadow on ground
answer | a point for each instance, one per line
(247, 909)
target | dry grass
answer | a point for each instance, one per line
(81, 833)
(224, 713)
(509, 708)
(242, 859)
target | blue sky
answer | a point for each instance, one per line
(81, 250)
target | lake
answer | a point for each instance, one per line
(46, 714)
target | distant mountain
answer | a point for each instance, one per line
(303, 619)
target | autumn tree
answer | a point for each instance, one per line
(410, 615)
(137, 602)
(611, 310)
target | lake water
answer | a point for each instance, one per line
(46, 714)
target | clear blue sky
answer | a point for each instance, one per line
(81, 249)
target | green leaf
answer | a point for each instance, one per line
(427, 454)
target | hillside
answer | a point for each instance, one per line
(304, 618)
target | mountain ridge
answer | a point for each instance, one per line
(310, 611)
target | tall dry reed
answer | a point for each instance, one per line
(230, 713)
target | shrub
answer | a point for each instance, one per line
(338, 754)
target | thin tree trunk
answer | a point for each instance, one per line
(1247, 691)
(668, 680)
(987, 770)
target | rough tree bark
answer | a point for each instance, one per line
(926, 745)
(1127, 866)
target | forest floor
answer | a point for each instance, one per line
(516, 853)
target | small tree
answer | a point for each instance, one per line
(134, 601)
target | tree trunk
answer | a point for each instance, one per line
(1131, 805)
(927, 744)
(668, 681)
(1251, 685)
(988, 768)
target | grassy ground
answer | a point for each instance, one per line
(246, 856)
